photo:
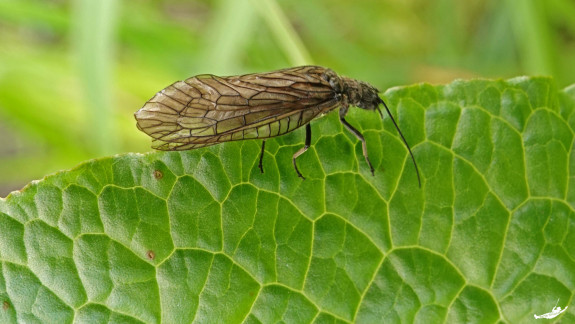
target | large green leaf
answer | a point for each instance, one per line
(204, 236)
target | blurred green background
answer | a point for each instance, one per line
(73, 72)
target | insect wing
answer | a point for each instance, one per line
(207, 109)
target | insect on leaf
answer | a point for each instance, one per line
(207, 109)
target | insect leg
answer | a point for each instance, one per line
(360, 137)
(262, 156)
(303, 149)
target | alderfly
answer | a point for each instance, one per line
(207, 109)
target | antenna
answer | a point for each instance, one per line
(402, 137)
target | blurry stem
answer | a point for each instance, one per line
(284, 32)
(531, 32)
(229, 30)
(93, 38)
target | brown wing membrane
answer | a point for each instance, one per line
(207, 109)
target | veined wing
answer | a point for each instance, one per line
(207, 109)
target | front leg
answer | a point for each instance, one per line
(359, 136)
(303, 149)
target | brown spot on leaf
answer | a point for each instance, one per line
(151, 254)
(158, 174)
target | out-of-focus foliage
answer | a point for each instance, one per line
(73, 72)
